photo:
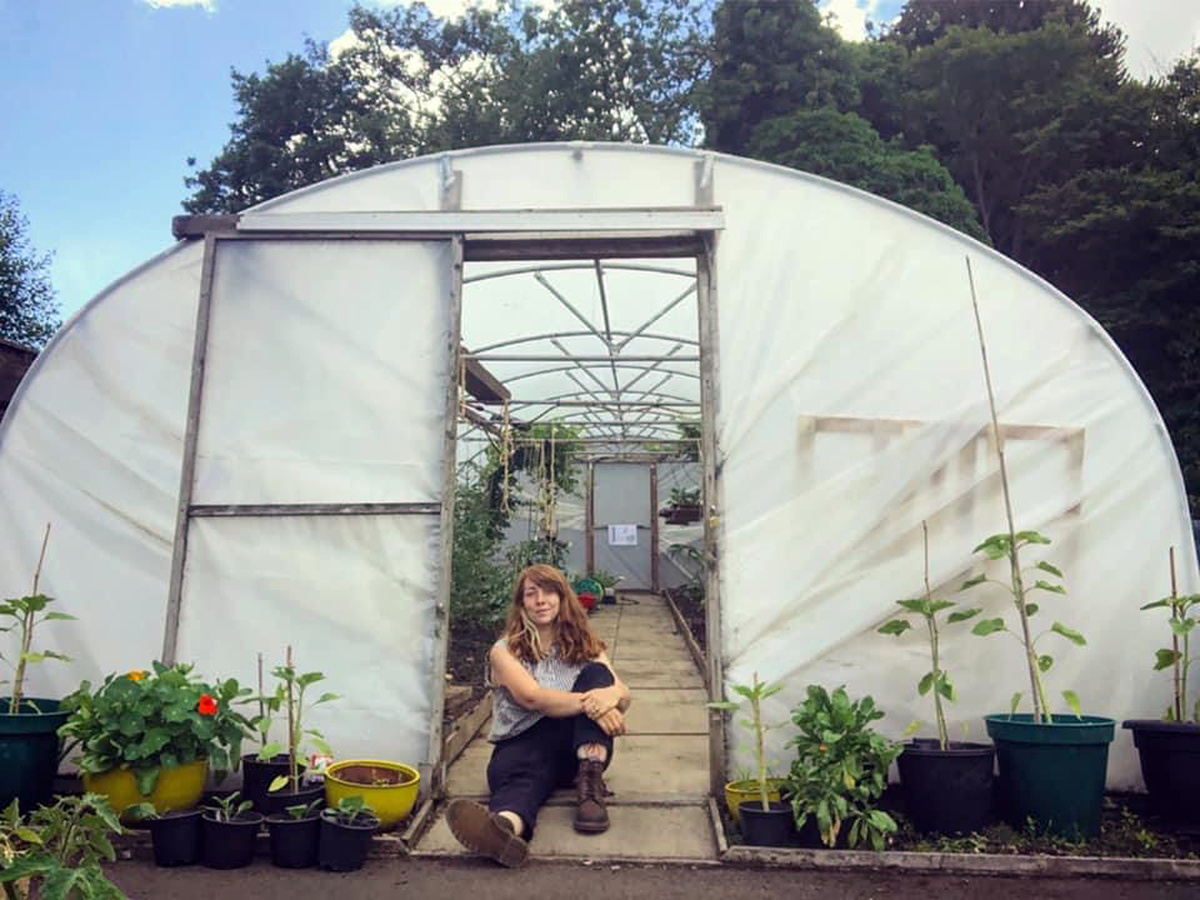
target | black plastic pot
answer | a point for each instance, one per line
(947, 791)
(294, 841)
(771, 827)
(176, 837)
(277, 802)
(230, 845)
(257, 776)
(1170, 754)
(343, 848)
(29, 747)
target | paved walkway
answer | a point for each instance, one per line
(660, 767)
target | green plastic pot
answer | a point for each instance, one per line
(29, 747)
(1052, 772)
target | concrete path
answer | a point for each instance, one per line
(659, 771)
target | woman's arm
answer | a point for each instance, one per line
(615, 697)
(508, 672)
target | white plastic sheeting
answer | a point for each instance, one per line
(851, 407)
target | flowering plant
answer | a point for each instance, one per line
(146, 721)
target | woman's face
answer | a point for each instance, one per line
(541, 605)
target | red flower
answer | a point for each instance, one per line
(207, 705)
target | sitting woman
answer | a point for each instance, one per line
(557, 707)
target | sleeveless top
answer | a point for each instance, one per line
(509, 718)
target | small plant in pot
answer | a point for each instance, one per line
(1169, 748)
(29, 742)
(230, 832)
(261, 768)
(292, 789)
(947, 785)
(175, 836)
(840, 771)
(295, 834)
(684, 507)
(346, 835)
(764, 819)
(1052, 767)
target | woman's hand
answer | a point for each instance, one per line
(612, 722)
(599, 701)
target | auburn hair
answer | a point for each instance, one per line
(576, 642)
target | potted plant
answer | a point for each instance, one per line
(1052, 767)
(174, 835)
(58, 850)
(684, 507)
(389, 788)
(346, 835)
(756, 805)
(1169, 748)
(608, 584)
(947, 784)
(294, 835)
(230, 830)
(29, 742)
(840, 771)
(291, 789)
(260, 769)
(151, 736)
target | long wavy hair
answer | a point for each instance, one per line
(576, 642)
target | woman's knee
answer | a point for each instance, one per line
(594, 675)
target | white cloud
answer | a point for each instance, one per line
(850, 16)
(206, 5)
(1158, 32)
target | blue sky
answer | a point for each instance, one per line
(104, 100)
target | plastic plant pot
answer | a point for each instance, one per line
(176, 837)
(230, 845)
(947, 791)
(771, 827)
(257, 776)
(294, 841)
(29, 746)
(1170, 757)
(343, 848)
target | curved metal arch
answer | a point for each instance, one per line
(575, 395)
(569, 334)
(578, 266)
(600, 365)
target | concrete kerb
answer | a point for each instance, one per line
(934, 863)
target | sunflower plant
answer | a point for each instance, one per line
(146, 721)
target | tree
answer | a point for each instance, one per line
(845, 147)
(28, 309)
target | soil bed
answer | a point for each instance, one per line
(691, 608)
(466, 658)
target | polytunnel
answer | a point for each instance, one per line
(251, 440)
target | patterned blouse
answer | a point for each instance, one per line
(509, 718)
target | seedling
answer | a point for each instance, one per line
(755, 694)
(1178, 656)
(229, 807)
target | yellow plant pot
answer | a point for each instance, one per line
(177, 789)
(388, 788)
(739, 792)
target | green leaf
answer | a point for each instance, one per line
(1069, 633)
(1031, 609)
(1053, 570)
(963, 614)
(28, 835)
(1182, 628)
(1047, 586)
(1014, 703)
(881, 820)
(1032, 537)
(895, 627)
(1073, 701)
(917, 606)
(1158, 604)
(275, 748)
(723, 705)
(988, 626)
(147, 780)
(277, 783)
(945, 687)
(1044, 663)
(995, 547)
(325, 698)
(1164, 659)
(937, 606)
(971, 582)
(926, 684)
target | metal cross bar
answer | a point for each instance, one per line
(528, 339)
(662, 312)
(551, 267)
(533, 358)
(541, 279)
(550, 371)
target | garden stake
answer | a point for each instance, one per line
(262, 709)
(14, 703)
(1040, 707)
(293, 775)
(1180, 674)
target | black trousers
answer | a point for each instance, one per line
(525, 770)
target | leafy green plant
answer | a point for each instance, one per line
(685, 497)
(22, 613)
(1008, 545)
(229, 807)
(755, 694)
(936, 679)
(59, 848)
(295, 685)
(1178, 656)
(146, 721)
(305, 810)
(841, 766)
(480, 586)
(350, 811)
(607, 580)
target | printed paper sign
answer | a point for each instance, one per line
(622, 535)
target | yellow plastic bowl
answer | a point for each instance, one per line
(739, 792)
(389, 788)
(177, 789)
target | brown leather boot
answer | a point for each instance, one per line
(486, 832)
(590, 815)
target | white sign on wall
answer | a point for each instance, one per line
(622, 535)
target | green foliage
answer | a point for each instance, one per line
(294, 686)
(755, 694)
(229, 807)
(350, 811)
(28, 309)
(480, 588)
(841, 766)
(60, 848)
(305, 810)
(1179, 655)
(607, 580)
(147, 721)
(681, 496)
